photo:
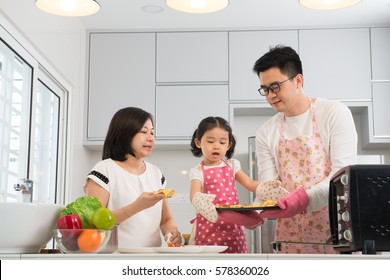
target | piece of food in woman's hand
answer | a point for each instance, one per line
(166, 192)
(169, 242)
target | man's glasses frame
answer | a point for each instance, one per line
(274, 87)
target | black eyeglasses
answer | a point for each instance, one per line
(274, 87)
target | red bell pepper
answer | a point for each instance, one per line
(70, 227)
(70, 221)
(70, 224)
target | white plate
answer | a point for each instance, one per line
(137, 250)
(213, 249)
(183, 250)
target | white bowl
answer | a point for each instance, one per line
(27, 227)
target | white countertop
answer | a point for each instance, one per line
(195, 256)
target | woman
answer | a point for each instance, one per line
(127, 185)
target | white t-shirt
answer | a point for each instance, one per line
(338, 134)
(142, 229)
(197, 172)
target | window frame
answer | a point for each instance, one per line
(43, 71)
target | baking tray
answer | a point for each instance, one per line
(247, 208)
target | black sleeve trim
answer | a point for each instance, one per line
(99, 175)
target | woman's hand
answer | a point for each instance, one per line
(147, 200)
(173, 237)
(144, 200)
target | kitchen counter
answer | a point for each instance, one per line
(178, 266)
(155, 256)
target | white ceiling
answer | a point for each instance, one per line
(240, 14)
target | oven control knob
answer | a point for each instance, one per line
(348, 235)
(345, 216)
(344, 197)
(344, 179)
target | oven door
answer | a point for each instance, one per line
(359, 208)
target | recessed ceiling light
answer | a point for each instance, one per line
(328, 4)
(153, 9)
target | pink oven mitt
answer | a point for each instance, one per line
(249, 219)
(292, 204)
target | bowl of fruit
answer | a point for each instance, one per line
(73, 241)
(84, 226)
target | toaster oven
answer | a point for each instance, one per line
(359, 208)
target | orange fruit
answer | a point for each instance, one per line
(89, 240)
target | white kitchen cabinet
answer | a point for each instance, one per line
(336, 63)
(245, 47)
(192, 57)
(375, 120)
(380, 55)
(381, 102)
(180, 108)
(121, 74)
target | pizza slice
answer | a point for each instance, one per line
(166, 192)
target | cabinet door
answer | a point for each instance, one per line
(180, 108)
(245, 47)
(380, 46)
(121, 74)
(192, 57)
(381, 101)
(336, 63)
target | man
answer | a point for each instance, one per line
(303, 145)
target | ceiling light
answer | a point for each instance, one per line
(197, 6)
(328, 4)
(71, 8)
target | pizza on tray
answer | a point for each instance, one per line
(267, 203)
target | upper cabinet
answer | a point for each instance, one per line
(180, 108)
(381, 111)
(184, 57)
(182, 77)
(380, 46)
(245, 47)
(336, 63)
(121, 74)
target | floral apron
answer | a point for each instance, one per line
(220, 181)
(303, 161)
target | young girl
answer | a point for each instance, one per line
(213, 182)
(126, 184)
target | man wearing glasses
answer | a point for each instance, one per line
(303, 145)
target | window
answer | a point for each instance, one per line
(32, 125)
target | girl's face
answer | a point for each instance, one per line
(214, 145)
(143, 141)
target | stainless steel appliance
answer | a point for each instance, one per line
(359, 208)
(262, 237)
